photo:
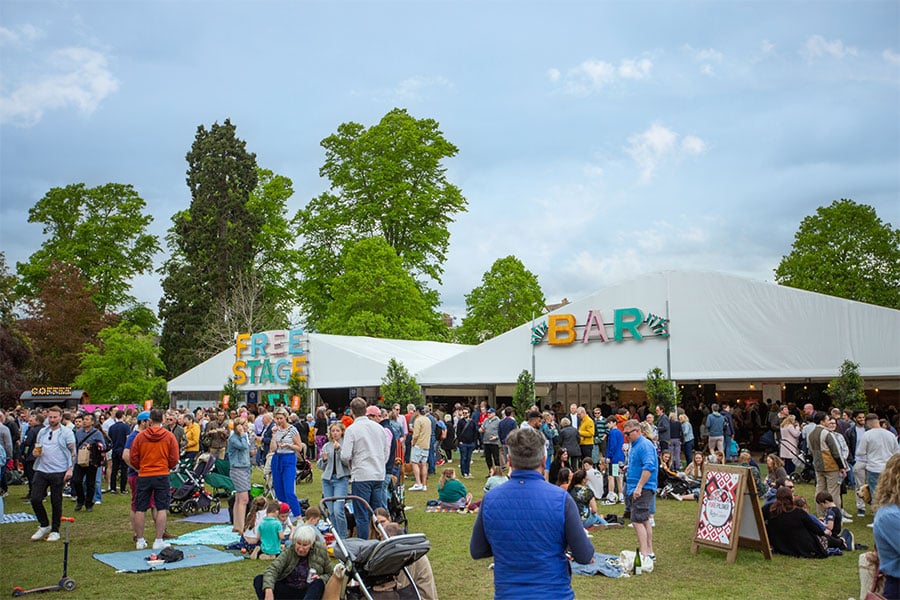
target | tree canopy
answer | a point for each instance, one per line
(61, 320)
(845, 250)
(508, 296)
(389, 181)
(212, 242)
(848, 388)
(102, 231)
(375, 296)
(398, 386)
(123, 368)
(661, 391)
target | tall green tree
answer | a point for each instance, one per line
(398, 386)
(212, 242)
(388, 180)
(124, 367)
(845, 250)
(376, 296)
(660, 390)
(102, 231)
(523, 396)
(60, 322)
(508, 296)
(848, 388)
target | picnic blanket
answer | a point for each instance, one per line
(208, 517)
(440, 509)
(17, 518)
(217, 535)
(602, 564)
(135, 561)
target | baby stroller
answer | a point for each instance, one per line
(191, 496)
(304, 470)
(397, 502)
(805, 472)
(371, 564)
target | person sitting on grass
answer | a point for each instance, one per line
(832, 522)
(746, 461)
(270, 532)
(291, 574)
(775, 470)
(451, 492)
(497, 477)
(256, 512)
(790, 529)
(587, 503)
(564, 478)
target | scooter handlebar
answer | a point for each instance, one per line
(69, 519)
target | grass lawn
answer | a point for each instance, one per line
(678, 573)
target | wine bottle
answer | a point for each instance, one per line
(637, 562)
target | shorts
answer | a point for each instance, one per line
(132, 485)
(640, 507)
(240, 477)
(154, 489)
(418, 455)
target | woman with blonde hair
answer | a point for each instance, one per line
(239, 450)
(285, 446)
(887, 524)
(452, 494)
(789, 447)
(687, 436)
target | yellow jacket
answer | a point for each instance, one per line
(192, 434)
(586, 431)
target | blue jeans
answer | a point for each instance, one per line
(432, 456)
(872, 481)
(98, 485)
(370, 491)
(284, 475)
(592, 520)
(465, 458)
(337, 487)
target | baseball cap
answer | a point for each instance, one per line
(143, 416)
(284, 508)
(373, 411)
(491, 410)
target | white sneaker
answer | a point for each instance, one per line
(652, 522)
(160, 544)
(41, 532)
(417, 488)
(646, 564)
(424, 488)
(53, 537)
(141, 544)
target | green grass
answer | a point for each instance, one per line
(678, 573)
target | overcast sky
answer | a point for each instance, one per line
(597, 140)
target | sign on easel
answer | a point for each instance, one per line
(729, 514)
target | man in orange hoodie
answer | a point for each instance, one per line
(154, 453)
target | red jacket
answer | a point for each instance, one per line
(154, 452)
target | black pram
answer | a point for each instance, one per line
(373, 563)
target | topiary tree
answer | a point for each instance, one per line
(847, 389)
(523, 397)
(661, 391)
(231, 390)
(611, 394)
(398, 386)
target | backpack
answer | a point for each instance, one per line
(170, 554)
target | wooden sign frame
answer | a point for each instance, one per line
(722, 522)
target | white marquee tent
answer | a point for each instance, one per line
(722, 329)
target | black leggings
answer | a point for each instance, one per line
(492, 455)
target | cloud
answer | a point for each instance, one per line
(659, 144)
(891, 57)
(706, 57)
(818, 47)
(766, 47)
(19, 35)
(415, 88)
(593, 75)
(73, 77)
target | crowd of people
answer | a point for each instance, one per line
(598, 458)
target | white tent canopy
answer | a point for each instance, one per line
(334, 361)
(722, 328)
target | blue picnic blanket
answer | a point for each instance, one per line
(217, 535)
(602, 564)
(135, 561)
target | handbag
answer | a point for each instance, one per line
(84, 456)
